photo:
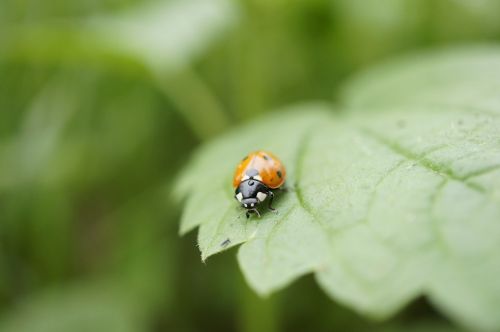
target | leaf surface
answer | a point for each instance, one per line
(381, 206)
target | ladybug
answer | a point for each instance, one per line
(255, 177)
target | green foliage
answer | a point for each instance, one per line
(154, 40)
(162, 36)
(382, 206)
(92, 307)
(468, 79)
(103, 101)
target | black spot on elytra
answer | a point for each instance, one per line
(265, 157)
(245, 158)
(279, 174)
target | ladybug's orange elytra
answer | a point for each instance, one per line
(268, 166)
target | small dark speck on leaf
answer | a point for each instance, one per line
(460, 122)
(401, 124)
(225, 243)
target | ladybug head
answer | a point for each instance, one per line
(250, 203)
(251, 193)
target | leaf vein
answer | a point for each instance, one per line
(299, 169)
(421, 160)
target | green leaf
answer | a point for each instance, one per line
(166, 34)
(160, 35)
(458, 77)
(381, 206)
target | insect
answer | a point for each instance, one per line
(225, 243)
(254, 179)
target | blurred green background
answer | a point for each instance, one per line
(101, 104)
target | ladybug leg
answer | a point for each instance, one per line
(252, 211)
(271, 198)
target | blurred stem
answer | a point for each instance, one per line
(195, 102)
(257, 314)
(249, 59)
